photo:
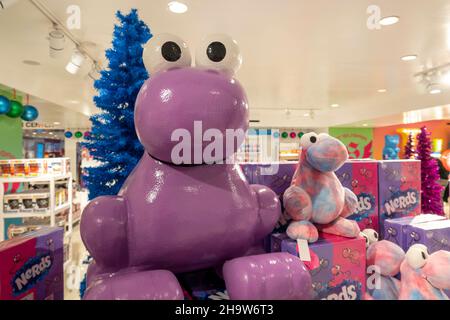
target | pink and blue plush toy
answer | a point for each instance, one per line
(384, 259)
(316, 199)
(425, 276)
(422, 276)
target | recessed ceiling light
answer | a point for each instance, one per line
(306, 114)
(409, 57)
(335, 105)
(435, 91)
(365, 125)
(31, 63)
(381, 90)
(177, 7)
(73, 101)
(387, 21)
(56, 123)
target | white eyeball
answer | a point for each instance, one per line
(365, 238)
(219, 52)
(166, 51)
(371, 235)
(308, 139)
(417, 256)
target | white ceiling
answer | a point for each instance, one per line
(298, 54)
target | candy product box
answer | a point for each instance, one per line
(32, 266)
(276, 176)
(5, 169)
(275, 241)
(399, 189)
(12, 203)
(396, 230)
(342, 267)
(435, 235)
(361, 176)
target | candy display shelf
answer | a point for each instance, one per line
(53, 209)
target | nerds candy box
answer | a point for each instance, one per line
(399, 189)
(338, 266)
(32, 266)
(361, 176)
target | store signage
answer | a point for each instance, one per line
(37, 125)
(359, 141)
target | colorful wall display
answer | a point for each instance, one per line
(10, 133)
(440, 135)
(359, 141)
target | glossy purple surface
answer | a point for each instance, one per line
(182, 218)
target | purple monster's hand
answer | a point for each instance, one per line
(269, 210)
(103, 230)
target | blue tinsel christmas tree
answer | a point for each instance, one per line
(113, 141)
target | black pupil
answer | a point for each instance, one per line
(216, 51)
(424, 257)
(171, 51)
(313, 139)
(376, 235)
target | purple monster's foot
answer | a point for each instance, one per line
(303, 230)
(297, 203)
(350, 203)
(269, 210)
(342, 227)
(146, 285)
(273, 276)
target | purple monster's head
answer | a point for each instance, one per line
(323, 152)
(202, 104)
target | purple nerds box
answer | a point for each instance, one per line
(399, 185)
(276, 176)
(396, 230)
(435, 235)
(341, 266)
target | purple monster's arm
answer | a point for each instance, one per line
(103, 231)
(269, 210)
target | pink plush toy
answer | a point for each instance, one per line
(316, 198)
(424, 276)
(384, 259)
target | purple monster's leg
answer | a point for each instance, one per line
(297, 203)
(350, 203)
(342, 227)
(145, 285)
(269, 210)
(104, 231)
(273, 276)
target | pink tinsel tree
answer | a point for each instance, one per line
(410, 153)
(431, 189)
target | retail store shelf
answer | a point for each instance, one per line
(25, 215)
(35, 179)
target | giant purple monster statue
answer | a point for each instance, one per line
(175, 216)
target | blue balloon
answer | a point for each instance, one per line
(68, 134)
(5, 105)
(30, 113)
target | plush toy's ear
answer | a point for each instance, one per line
(387, 256)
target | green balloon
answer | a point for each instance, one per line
(78, 134)
(285, 135)
(15, 110)
(301, 134)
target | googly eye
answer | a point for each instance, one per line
(309, 139)
(366, 238)
(166, 51)
(219, 52)
(417, 256)
(371, 235)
